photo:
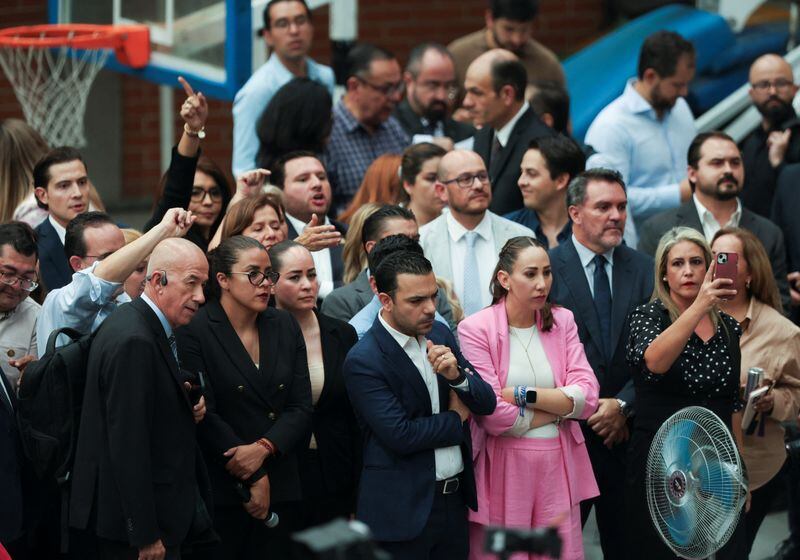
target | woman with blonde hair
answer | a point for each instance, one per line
(771, 342)
(683, 352)
(20, 148)
(381, 184)
(353, 253)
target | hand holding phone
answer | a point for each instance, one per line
(726, 267)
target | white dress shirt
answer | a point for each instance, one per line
(484, 252)
(710, 224)
(61, 231)
(322, 259)
(504, 133)
(448, 460)
(586, 256)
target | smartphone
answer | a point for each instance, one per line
(726, 266)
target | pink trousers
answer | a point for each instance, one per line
(527, 487)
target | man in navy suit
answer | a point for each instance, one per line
(413, 391)
(61, 185)
(601, 297)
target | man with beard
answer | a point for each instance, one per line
(777, 141)
(431, 90)
(716, 175)
(509, 25)
(645, 132)
(464, 243)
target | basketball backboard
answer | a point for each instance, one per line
(212, 43)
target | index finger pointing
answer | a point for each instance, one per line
(186, 87)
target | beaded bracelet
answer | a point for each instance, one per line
(520, 391)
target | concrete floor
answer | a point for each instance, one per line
(771, 534)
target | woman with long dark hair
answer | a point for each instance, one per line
(253, 360)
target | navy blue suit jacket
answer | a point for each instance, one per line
(53, 262)
(631, 285)
(11, 510)
(401, 433)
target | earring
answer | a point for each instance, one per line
(664, 279)
(747, 284)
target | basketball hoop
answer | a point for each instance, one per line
(52, 67)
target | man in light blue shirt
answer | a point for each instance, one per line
(645, 133)
(288, 33)
(101, 263)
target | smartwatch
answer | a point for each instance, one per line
(530, 396)
(624, 409)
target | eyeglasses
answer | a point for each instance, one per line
(450, 89)
(99, 257)
(388, 90)
(198, 194)
(781, 84)
(10, 279)
(466, 180)
(257, 277)
(286, 23)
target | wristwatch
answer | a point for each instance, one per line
(194, 133)
(624, 409)
(530, 395)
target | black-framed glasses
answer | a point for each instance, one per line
(11, 279)
(386, 89)
(257, 277)
(466, 180)
(99, 257)
(286, 23)
(198, 194)
(781, 84)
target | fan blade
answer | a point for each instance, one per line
(676, 444)
(720, 480)
(681, 523)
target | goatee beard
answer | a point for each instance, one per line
(776, 114)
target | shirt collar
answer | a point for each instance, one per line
(704, 212)
(636, 103)
(400, 338)
(160, 314)
(457, 231)
(504, 133)
(752, 309)
(586, 255)
(61, 231)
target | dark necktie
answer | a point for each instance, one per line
(602, 301)
(495, 153)
(173, 345)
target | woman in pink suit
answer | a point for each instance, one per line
(531, 464)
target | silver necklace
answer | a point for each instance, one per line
(525, 347)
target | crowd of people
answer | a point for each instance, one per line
(424, 305)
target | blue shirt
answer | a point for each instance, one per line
(253, 98)
(648, 152)
(83, 305)
(364, 319)
(352, 149)
(530, 219)
(160, 314)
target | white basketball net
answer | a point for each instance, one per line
(52, 85)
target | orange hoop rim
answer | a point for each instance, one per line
(131, 43)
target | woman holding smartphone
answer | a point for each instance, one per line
(683, 352)
(771, 342)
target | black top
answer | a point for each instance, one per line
(705, 373)
(760, 178)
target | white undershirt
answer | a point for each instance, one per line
(520, 373)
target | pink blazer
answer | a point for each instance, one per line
(484, 342)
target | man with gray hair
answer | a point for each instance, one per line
(600, 279)
(431, 91)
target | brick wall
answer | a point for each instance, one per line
(563, 25)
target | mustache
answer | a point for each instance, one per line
(728, 178)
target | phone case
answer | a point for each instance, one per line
(726, 266)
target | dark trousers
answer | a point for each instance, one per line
(444, 537)
(244, 537)
(761, 502)
(319, 504)
(609, 471)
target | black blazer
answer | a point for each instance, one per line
(411, 123)
(785, 205)
(686, 215)
(134, 478)
(337, 264)
(504, 173)
(53, 262)
(245, 402)
(333, 422)
(11, 504)
(393, 406)
(631, 285)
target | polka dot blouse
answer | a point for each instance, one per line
(706, 369)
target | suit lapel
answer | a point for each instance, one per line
(329, 340)
(575, 279)
(291, 231)
(687, 216)
(496, 167)
(440, 244)
(239, 358)
(622, 275)
(9, 391)
(401, 364)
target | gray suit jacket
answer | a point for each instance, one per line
(435, 241)
(344, 302)
(767, 232)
